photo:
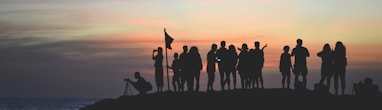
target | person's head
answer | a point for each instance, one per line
(185, 48)
(299, 42)
(286, 49)
(176, 55)
(339, 45)
(244, 47)
(214, 47)
(257, 44)
(137, 75)
(222, 43)
(368, 81)
(159, 50)
(231, 48)
(194, 50)
(326, 47)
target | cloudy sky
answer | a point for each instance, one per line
(84, 49)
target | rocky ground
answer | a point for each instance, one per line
(238, 100)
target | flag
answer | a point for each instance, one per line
(168, 40)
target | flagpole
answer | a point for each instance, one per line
(168, 81)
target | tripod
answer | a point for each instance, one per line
(127, 88)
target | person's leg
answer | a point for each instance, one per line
(283, 79)
(234, 79)
(212, 81)
(343, 82)
(322, 76)
(261, 79)
(182, 83)
(209, 81)
(197, 78)
(221, 78)
(241, 79)
(227, 79)
(190, 83)
(328, 79)
(174, 83)
(304, 73)
(288, 79)
(336, 83)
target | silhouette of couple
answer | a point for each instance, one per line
(186, 69)
(333, 62)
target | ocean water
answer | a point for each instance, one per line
(44, 104)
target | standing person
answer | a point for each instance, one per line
(300, 53)
(182, 67)
(243, 66)
(326, 66)
(285, 66)
(158, 68)
(340, 63)
(231, 66)
(176, 70)
(221, 54)
(195, 65)
(211, 69)
(259, 63)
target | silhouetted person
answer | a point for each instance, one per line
(259, 63)
(221, 54)
(231, 66)
(285, 66)
(211, 69)
(300, 53)
(327, 63)
(195, 65)
(243, 66)
(140, 85)
(176, 81)
(182, 67)
(158, 68)
(340, 63)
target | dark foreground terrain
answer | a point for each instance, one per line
(287, 99)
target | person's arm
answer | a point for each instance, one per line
(319, 54)
(280, 63)
(153, 55)
(200, 62)
(292, 54)
(264, 47)
(307, 52)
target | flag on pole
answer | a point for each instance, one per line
(168, 39)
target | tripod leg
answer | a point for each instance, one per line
(126, 87)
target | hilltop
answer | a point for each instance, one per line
(237, 99)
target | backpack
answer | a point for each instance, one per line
(148, 85)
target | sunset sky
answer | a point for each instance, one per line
(85, 48)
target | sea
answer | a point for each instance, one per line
(44, 103)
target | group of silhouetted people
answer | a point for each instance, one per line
(187, 65)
